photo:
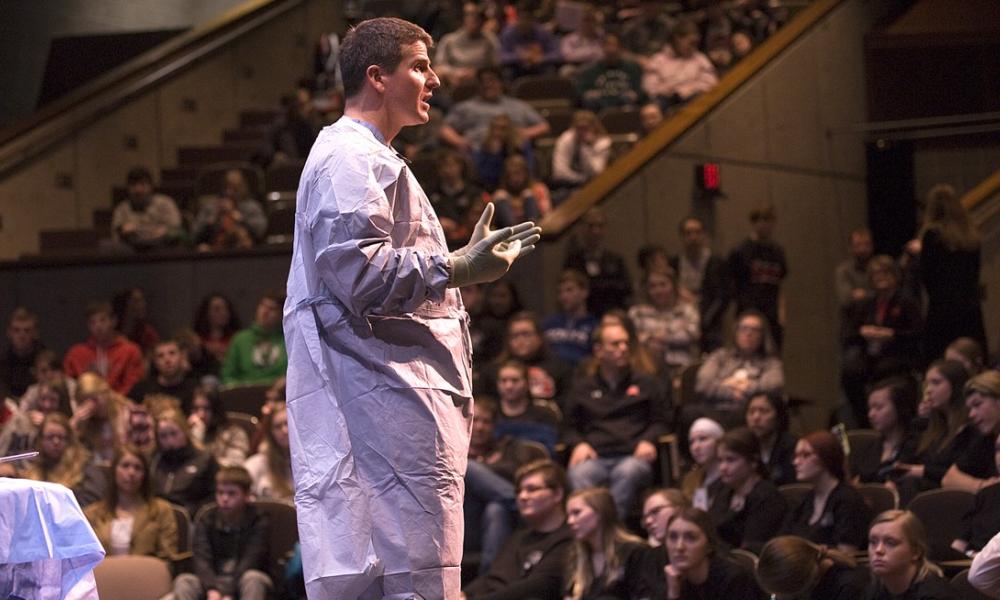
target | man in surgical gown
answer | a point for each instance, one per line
(379, 357)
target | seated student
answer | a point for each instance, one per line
(975, 469)
(767, 418)
(271, 468)
(698, 567)
(897, 549)
(581, 152)
(531, 563)
(106, 352)
(701, 484)
(47, 371)
(982, 521)
(63, 460)
(606, 562)
(181, 473)
(519, 416)
(946, 434)
(750, 508)
(257, 354)
(748, 366)
(233, 219)
(215, 322)
(129, 519)
(172, 376)
(230, 545)
(833, 513)
(679, 71)
(968, 352)
(793, 567)
(519, 196)
(548, 376)
(667, 326)
(210, 428)
(660, 505)
(892, 405)
(19, 354)
(20, 431)
(130, 308)
(456, 201)
(101, 417)
(568, 331)
(489, 489)
(501, 142)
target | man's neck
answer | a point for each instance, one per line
(373, 114)
(514, 407)
(170, 380)
(105, 342)
(577, 313)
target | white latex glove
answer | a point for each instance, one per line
(522, 231)
(489, 258)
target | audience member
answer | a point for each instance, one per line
(897, 551)
(527, 47)
(581, 152)
(650, 117)
(881, 335)
(211, 429)
(851, 277)
(18, 433)
(145, 220)
(832, 513)
(531, 563)
(732, 375)
(698, 569)
(256, 355)
(679, 72)
(233, 219)
(47, 371)
(568, 332)
(215, 323)
(949, 269)
(702, 484)
(611, 81)
(500, 303)
(106, 352)
(757, 267)
(548, 376)
(460, 53)
(467, 122)
(456, 201)
(172, 376)
(666, 325)
(714, 26)
(64, 460)
(982, 521)
(660, 505)
(606, 562)
(326, 62)
(140, 429)
(489, 506)
(613, 418)
(519, 416)
(702, 277)
(648, 31)
(129, 306)
(767, 418)
(892, 406)
(519, 197)
(297, 128)
(582, 45)
(968, 352)
(101, 417)
(271, 468)
(975, 469)
(181, 473)
(502, 141)
(610, 285)
(230, 545)
(18, 356)
(793, 567)
(129, 519)
(749, 509)
(202, 364)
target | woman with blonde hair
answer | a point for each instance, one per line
(64, 460)
(129, 519)
(271, 468)
(606, 562)
(897, 551)
(949, 269)
(794, 567)
(100, 418)
(582, 151)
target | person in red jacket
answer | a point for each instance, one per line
(106, 352)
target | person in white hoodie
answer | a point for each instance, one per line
(679, 71)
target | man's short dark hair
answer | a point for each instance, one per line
(237, 476)
(552, 473)
(139, 174)
(376, 42)
(99, 306)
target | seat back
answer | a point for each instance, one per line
(244, 398)
(131, 577)
(282, 530)
(964, 590)
(866, 450)
(879, 497)
(621, 120)
(794, 492)
(545, 91)
(247, 422)
(941, 512)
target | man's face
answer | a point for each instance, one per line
(572, 296)
(472, 21)
(650, 116)
(139, 190)
(101, 326)
(236, 185)
(169, 359)
(524, 341)
(482, 428)
(612, 49)
(763, 227)
(612, 351)
(268, 314)
(490, 86)
(693, 234)
(536, 501)
(22, 334)
(861, 246)
(686, 45)
(230, 497)
(409, 88)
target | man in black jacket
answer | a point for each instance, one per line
(230, 546)
(612, 420)
(704, 277)
(531, 563)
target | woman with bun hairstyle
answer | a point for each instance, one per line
(793, 567)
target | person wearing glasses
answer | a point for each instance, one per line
(530, 564)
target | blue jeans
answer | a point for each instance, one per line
(626, 476)
(490, 510)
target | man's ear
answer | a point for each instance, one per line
(374, 75)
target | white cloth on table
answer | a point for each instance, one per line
(47, 548)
